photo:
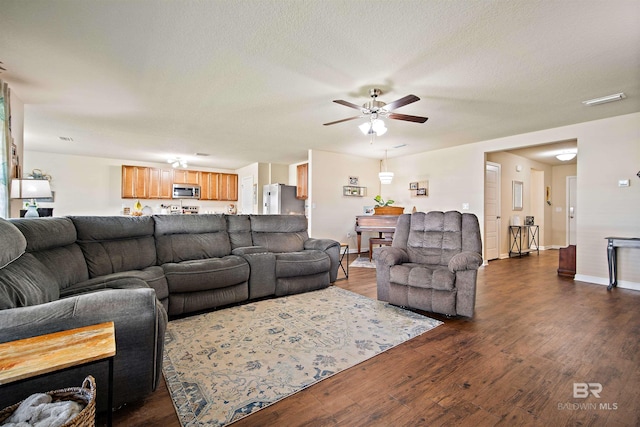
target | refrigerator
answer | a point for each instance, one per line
(281, 199)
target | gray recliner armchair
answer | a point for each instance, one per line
(432, 264)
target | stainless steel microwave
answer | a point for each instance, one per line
(186, 191)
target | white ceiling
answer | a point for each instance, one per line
(253, 80)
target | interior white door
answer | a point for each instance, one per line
(492, 211)
(247, 195)
(572, 209)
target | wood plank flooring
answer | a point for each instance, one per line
(534, 335)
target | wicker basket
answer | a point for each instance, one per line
(85, 395)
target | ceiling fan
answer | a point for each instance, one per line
(377, 109)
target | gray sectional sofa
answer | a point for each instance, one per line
(66, 272)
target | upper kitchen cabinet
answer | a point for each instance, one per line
(160, 183)
(228, 186)
(135, 182)
(302, 182)
(209, 185)
(181, 176)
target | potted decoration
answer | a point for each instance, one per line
(385, 208)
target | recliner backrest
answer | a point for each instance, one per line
(435, 237)
(190, 237)
(112, 244)
(53, 242)
(279, 233)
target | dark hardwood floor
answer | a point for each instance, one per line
(534, 335)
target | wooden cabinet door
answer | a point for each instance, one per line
(302, 182)
(135, 182)
(186, 177)
(209, 185)
(160, 183)
(228, 186)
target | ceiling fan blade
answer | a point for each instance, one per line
(401, 102)
(408, 118)
(343, 120)
(347, 104)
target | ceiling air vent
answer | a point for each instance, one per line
(202, 154)
(66, 138)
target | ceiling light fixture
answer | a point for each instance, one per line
(567, 155)
(605, 99)
(385, 176)
(177, 162)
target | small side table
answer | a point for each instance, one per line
(344, 253)
(45, 354)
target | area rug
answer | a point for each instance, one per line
(224, 365)
(362, 262)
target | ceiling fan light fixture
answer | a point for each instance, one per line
(378, 127)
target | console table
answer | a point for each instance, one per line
(518, 239)
(613, 243)
(44, 354)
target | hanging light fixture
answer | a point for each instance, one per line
(385, 176)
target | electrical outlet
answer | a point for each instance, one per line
(348, 234)
(465, 206)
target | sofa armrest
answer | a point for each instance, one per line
(387, 256)
(247, 250)
(465, 261)
(331, 248)
(320, 244)
(140, 323)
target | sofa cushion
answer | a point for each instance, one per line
(24, 282)
(206, 274)
(12, 244)
(152, 277)
(114, 244)
(304, 263)
(190, 237)
(239, 229)
(279, 233)
(53, 242)
(423, 276)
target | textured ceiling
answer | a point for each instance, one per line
(252, 80)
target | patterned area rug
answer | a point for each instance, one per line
(224, 365)
(362, 262)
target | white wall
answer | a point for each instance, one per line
(332, 215)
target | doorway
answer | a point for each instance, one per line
(492, 210)
(572, 209)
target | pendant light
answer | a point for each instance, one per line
(385, 176)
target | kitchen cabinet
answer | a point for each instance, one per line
(182, 176)
(135, 182)
(209, 185)
(139, 182)
(228, 186)
(302, 182)
(160, 183)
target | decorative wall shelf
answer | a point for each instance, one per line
(419, 188)
(354, 191)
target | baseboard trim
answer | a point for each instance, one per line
(604, 281)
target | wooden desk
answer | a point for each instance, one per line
(612, 258)
(44, 354)
(381, 224)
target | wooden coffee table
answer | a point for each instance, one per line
(44, 354)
